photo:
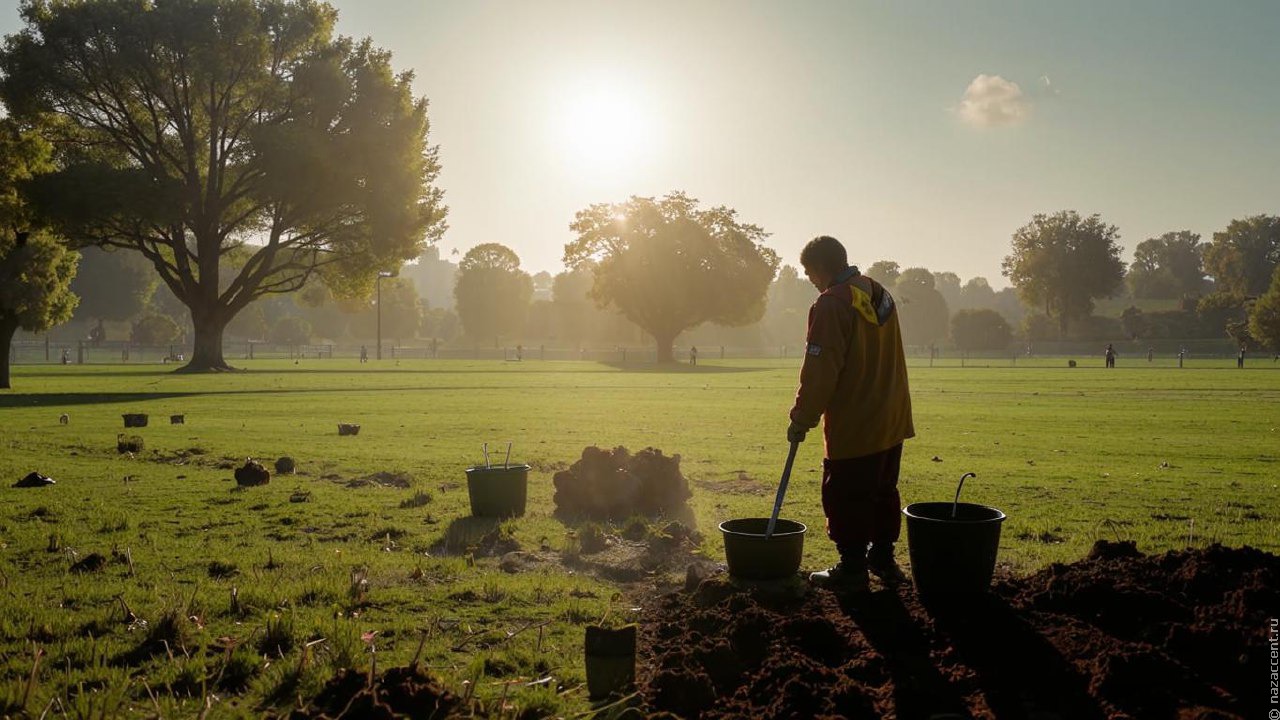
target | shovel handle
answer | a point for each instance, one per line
(782, 490)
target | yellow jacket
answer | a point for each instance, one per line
(855, 373)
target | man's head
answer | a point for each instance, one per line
(823, 259)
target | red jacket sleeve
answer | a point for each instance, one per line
(825, 351)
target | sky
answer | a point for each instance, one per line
(921, 132)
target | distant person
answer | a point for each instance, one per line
(1151, 352)
(854, 379)
(693, 355)
(1181, 354)
(1110, 356)
(97, 334)
(519, 353)
(1240, 358)
(66, 356)
(364, 354)
(435, 347)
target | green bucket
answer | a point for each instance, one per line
(498, 491)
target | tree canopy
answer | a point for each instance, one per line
(492, 293)
(669, 265)
(35, 269)
(922, 308)
(200, 131)
(980, 330)
(1242, 257)
(1061, 262)
(1169, 266)
(1264, 316)
(112, 285)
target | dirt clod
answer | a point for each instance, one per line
(252, 473)
(401, 692)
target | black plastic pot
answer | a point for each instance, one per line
(135, 420)
(751, 557)
(610, 660)
(498, 491)
(952, 556)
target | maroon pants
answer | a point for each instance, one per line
(860, 500)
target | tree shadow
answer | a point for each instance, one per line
(678, 368)
(1020, 672)
(56, 399)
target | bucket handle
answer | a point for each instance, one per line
(956, 505)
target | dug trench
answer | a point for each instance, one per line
(1118, 634)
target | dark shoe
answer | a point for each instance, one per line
(888, 572)
(842, 578)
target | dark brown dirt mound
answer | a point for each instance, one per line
(1116, 635)
(398, 693)
(607, 484)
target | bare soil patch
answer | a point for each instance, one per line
(1118, 634)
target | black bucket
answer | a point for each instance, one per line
(498, 491)
(952, 556)
(751, 557)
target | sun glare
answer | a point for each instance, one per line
(605, 130)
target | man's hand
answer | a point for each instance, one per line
(796, 432)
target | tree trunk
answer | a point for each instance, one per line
(6, 342)
(665, 354)
(207, 355)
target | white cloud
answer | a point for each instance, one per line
(992, 101)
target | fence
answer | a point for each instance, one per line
(26, 352)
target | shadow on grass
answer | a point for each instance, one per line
(479, 535)
(56, 399)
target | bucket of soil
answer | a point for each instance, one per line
(611, 660)
(752, 556)
(952, 546)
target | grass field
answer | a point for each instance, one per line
(254, 596)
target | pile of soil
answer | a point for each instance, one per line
(402, 692)
(614, 484)
(1118, 634)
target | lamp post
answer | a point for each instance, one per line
(378, 302)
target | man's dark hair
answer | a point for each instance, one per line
(824, 253)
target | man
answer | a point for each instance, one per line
(855, 378)
(1110, 356)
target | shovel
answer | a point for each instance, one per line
(782, 490)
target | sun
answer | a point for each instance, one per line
(605, 130)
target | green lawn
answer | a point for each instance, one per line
(235, 583)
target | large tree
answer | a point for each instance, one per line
(1264, 316)
(668, 265)
(1061, 262)
(112, 285)
(1169, 266)
(980, 330)
(35, 269)
(1242, 257)
(885, 272)
(202, 131)
(923, 309)
(492, 293)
